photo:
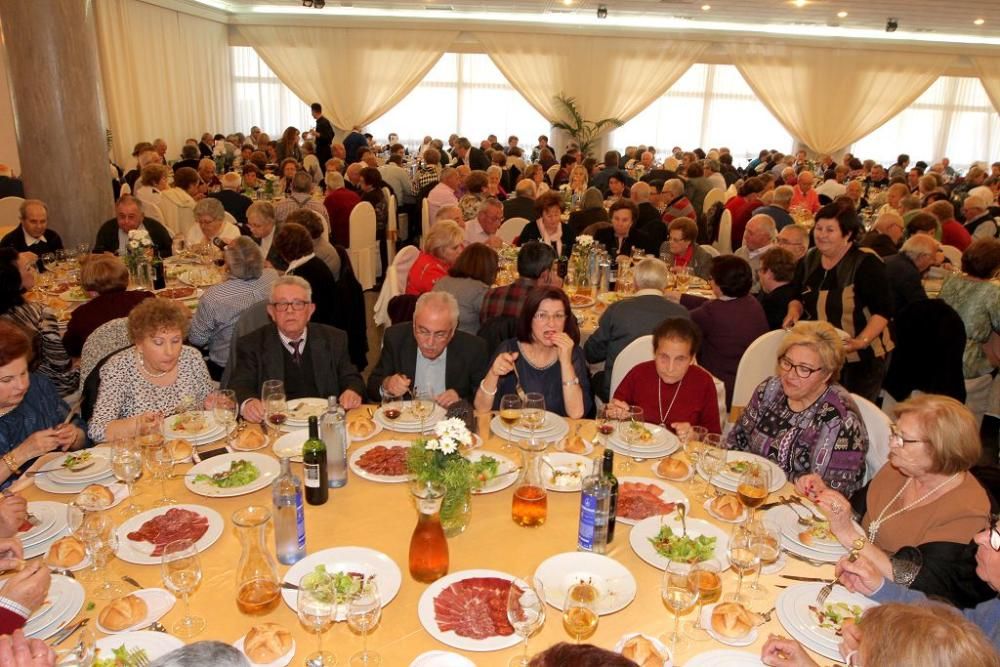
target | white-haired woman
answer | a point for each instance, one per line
(210, 217)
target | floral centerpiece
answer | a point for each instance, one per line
(269, 183)
(580, 259)
(138, 251)
(439, 460)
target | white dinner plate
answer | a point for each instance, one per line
(553, 427)
(667, 493)
(728, 480)
(428, 618)
(290, 445)
(140, 553)
(660, 439)
(505, 477)
(786, 518)
(614, 583)
(300, 409)
(362, 560)
(441, 659)
(407, 422)
(642, 532)
(46, 514)
(41, 540)
(208, 428)
(267, 465)
(282, 661)
(101, 467)
(158, 602)
(156, 644)
(66, 596)
(356, 455)
(793, 611)
(562, 471)
(45, 483)
(725, 658)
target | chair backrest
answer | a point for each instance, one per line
(151, 210)
(102, 341)
(10, 211)
(710, 250)
(725, 242)
(517, 163)
(394, 283)
(731, 192)
(403, 263)
(230, 219)
(251, 319)
(594, 227)
(879, 426)
(551, 172)
(713, 197)
(636, 352)
(511, 229)
(401, 308)
(756, 365)
(720, 393)
(425, 218)
(951, 253)
(362, 222)
(496, 330)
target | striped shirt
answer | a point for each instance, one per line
(54, 362)
(219, 309)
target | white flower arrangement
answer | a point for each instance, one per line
(585, 241)
(451, 434)
(270, 177)
(139, 237)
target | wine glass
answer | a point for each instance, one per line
(363, 613)
(78, 654)
(149, 429)
(753, 487)
(679, 593)
(580, 615)
(392, 406)
(275, 412)
(606, 419)
(271, 387)
(48, 261)
(422, 405)
(510, 414)
(160, 463)
(694, 441)
(86, 526)
(180, 568)
(126, 464)
(526, 613)
(767, 542)
(707, 577)
(178, 245)
(682, 274)
(316, 614)
(743, 557)
(103, 547)
(712, 461)
(533, 411)
(631, 431)
(225, 409)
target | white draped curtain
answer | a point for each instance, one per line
(831, 97)
(166, 74)
(608, 77)
(357, 75)
(988, 71)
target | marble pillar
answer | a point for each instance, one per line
(57, 99)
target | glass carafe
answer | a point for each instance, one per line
(257, 585)
(428, 545)
(530, 505)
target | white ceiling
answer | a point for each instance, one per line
(926, 17)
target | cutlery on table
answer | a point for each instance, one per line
(766, 615)
(30, 518)
(682, 510)
(803, 520)
(66, 633)
(129, 580)
(805, 559)
(137, 657)
(798, 501)
(795, 577)
(518, 389)
(824, 592)
(289, 585)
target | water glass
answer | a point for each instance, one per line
(767, 542)
(525, 612)
(533, 411)
(126, 464)
(78, 654)
(160, 464)
(363, 613)
(631, 430)
(180, 568)
(225, 409)
(744, 556)
(102, 548)
(316, 615)
(422, 405)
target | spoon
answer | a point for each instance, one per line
(682, 510)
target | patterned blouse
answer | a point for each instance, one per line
(54, 362)
(125, 392)
(827, 438)
(977, 302)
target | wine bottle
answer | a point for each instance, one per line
(609, 475)
(314, 466)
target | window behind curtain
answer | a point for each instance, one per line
(260, 99)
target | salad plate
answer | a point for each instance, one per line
(674, 546)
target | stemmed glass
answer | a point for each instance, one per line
(526, 613)
(683, 277)
(160, 463)
(364, 610)
(767, 543)
(150, 429)
(510, 414)
(316, 614)
(78, 654)
(178, 245)
(423, 405)
(706, 577)
(87, 526)
(580, 615)
(631, 431)
(712, 461)
(753, 488)
(743, 557)
(103, 546)
(275, 412)
(679, 593)
(126, 464)
(533, 411)
(48, 261)
(226, 409)
(180, 568)
(392, 406)
(694, 442)
(606, 419)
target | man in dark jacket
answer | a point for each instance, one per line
(905, 269)
(235, 202)
(474, 157)
(324, 134)
(113, 234)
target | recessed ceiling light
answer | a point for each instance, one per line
(979, 21)
(842, 15)
(705, 8)
(567, 2)
(800, 3)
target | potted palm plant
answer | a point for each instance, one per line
(584, 132)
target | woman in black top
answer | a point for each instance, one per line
(549, 227)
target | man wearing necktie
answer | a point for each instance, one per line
(311, 359)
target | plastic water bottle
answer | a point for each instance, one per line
(595, 501)
(289, 517)
(333, 430)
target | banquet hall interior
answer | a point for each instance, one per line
(439, 333)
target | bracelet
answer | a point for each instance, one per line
(570, 383)
(487, 391)
(8, 458)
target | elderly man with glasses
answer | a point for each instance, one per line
(430, 354)
(311, 359)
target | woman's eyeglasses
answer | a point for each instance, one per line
(801, 370)
(896, 436)
(994, 532)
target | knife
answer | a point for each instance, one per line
(767, 506)
(66, 633)
(794, 577)
(289, 585)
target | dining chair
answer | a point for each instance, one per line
(725, 243)
(714, 196)
(10, 211)
(879, 426)
(511, 229)
(756, 365)
(363, 249)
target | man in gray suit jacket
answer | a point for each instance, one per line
(627, 320)
(311, 359)
(430, 354)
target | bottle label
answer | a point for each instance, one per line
(588, 510)
(300, 520)
(311, 475)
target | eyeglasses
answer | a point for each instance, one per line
(282, 306)
(550, 317)
(801, 370)
(994, 532)
(895, 435)
(782, 241)
(436, 335)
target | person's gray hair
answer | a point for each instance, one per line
(199, 654)
(231, 181)
(782, 196)
(210, 206)
(334, 180)
(296, 281)
(918, 245)
(494, 169)
(130, 199)
(592, 199)
(972, 201)
(302, 182)
(641, 192)
(22, 211)
(447, 173)
(439, 300)
(244, 259)
(490, 202)
(651, 273)
(525, 188)
(446, 213)
(261, 209)
(190, 152)
(674, 186)
(766, 222)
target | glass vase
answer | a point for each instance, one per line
(456, 511)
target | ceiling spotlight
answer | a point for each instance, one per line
(841, 15)
(567, 2)
(891, 24)
(979, 21)
(800, 3)
(602, 12)
(705, 8)
(307, 3)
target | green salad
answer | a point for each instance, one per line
(76, 460)
(485, 469)
(682, 549)
(833, 615)
(122, 657)
(336, 587)
(241, 472)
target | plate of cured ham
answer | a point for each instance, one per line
(142, 538)
(642, 497)
(381, 461)
(467, 610)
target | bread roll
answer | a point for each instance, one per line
(266, 643)
(179, 449)
(66, 552)
(123, 612)
(732, 620)
(95, 497)
(360, 427)
(642, 652)
(672, 468)
(250, 438)
(727, 506)
(575, 445)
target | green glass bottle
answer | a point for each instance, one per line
(314, 466)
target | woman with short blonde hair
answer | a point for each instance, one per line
(442, 246)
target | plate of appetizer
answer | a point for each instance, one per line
(231, 475)
(142, 538)
(338, 573)
(467, 610)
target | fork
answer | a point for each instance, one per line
(824, 592)
(798, 501)
(766, 615)
(138, 657)
(518, 389)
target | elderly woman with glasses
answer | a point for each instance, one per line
(801, 418)
(920, 512)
